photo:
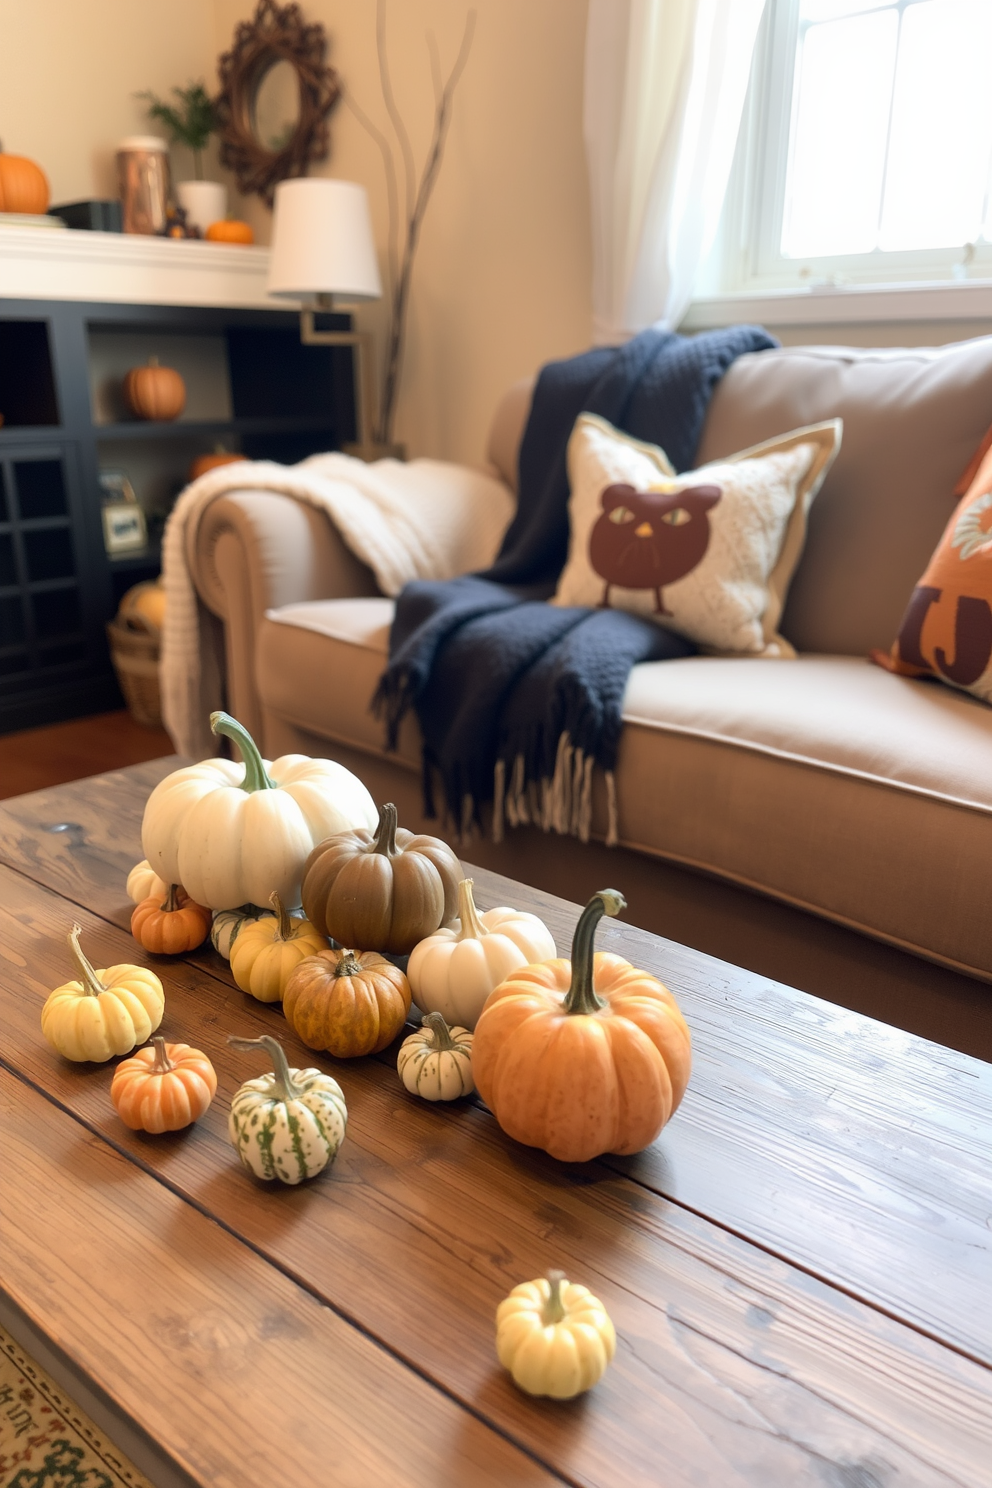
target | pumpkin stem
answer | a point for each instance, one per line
(163, 1064)
(255, 776)
(91, 982)
(169, 906)
(285, 931)
(385, 833)
(441, 1034)
(284, 1087)
(349, 965)
(582, 996)
(472, 927)
(554, 1310)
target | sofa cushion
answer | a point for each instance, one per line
(824, 781)
(912, 421)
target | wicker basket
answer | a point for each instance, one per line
(134, 653)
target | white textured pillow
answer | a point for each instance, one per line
(709, 553)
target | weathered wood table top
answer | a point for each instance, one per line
(799, 1269)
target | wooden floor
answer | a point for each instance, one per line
(37, 758)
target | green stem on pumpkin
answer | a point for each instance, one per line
(554, 1310)
(255, 776)
(91, 982)
(472, 927)
(284, 1087)
(582, 996)
(440, 1031)
(163, 1064)
(285, 931)
(385, 832)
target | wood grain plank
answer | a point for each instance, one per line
(732, 1366)
(850, 1148)
(238, 1374)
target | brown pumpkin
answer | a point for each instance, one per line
(347, 1002)
(387, 889)
(171, 927)
(23, 185)
(155, 393)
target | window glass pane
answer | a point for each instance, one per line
(40, 491)
(941, 127)
(11, 622)
(8, 568)
(833, 10)
(49, 554)
(840, 123)
(57, 613)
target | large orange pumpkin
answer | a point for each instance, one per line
(154, 392)
(584, 1056)
(23, 185)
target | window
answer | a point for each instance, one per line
(866, 148)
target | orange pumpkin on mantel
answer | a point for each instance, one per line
(155, 393)
(23, 185)
(585, 1056)
(230, 230)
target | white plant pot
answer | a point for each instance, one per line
(203, 201)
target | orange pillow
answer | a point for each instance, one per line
(946, 631)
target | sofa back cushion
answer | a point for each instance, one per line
(912, 421)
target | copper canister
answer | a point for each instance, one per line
(143, 182)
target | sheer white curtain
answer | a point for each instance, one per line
(664, 91)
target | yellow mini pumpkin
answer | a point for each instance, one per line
(554, 1337)
(103, 1013)
(267, 951)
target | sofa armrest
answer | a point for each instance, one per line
(257, 550)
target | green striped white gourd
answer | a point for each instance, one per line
(228, 923)
(436, 1061)
(287, 1125)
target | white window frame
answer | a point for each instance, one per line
(748, 257)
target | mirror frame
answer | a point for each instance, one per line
(277, 33)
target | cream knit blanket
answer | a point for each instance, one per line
(427, 519)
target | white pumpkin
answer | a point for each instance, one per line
(287, 1125)
(436, 1061)
(143, 882)
(232, 834)
(227, 923)
(454, 970)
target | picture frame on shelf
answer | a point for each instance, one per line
(125, 529)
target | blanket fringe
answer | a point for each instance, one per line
(499, 791)
(612, 830)
(561, 803)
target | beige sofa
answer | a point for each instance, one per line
(819, 821)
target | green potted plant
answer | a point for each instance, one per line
(190, 121)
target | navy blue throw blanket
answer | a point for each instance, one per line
(519, 700)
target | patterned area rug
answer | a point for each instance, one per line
(45, 1440)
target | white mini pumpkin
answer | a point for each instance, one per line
(227, 924)
(289, 1124)
(454, 970)
(436, 1061)
(232, 834)
(144, 883)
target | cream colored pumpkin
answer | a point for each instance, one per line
(267, 951)
(144, 883)
(554, 1337)
(228, 924)
(436, 1061)
(287, 1125)
(453, 971)
(103, 1013)
(231, 834)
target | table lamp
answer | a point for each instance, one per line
(323, 254)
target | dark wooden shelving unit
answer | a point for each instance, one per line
(252, 387)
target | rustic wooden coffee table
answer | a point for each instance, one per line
(800, 1269)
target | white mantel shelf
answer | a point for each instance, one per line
(118, 268)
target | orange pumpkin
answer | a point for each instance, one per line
(155, 393)
(347, 1002)
(169, 927)
(163, 1087)
(584, 1056)
(387, 889)
(229, 230)
(203, 463)
(23, 185)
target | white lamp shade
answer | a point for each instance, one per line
(322, 241)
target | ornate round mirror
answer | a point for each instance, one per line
(276, 93)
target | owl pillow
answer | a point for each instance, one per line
(710, 553)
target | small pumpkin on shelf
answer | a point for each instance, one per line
(105, 1012)
(287, 1125)
(23, 185)
(228, 923)
(605, 1040)
(554, 1337)
(268, 950)
(154, 393)
(436, 1061)
(230, 230)
(454, 970)
(144, 883)
(347, 1002)
(385, 889)
(170, 926)
(164, 1087)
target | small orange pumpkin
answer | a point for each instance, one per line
(154, 393)
(203, 463)
(168, 928)
(229, 230)
(584, 1056)
(23, 185)
(347, 1002)
(163, 1087)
